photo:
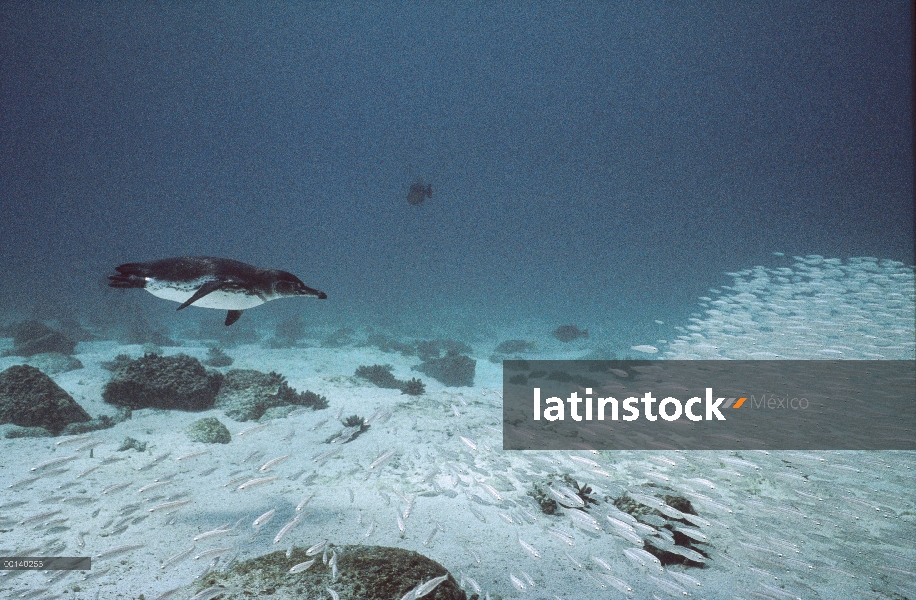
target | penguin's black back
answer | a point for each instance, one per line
(191, 268)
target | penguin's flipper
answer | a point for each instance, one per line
(207, 288)
(232, 316)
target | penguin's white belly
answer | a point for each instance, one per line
(220, 299)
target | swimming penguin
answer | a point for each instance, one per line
(211, 283)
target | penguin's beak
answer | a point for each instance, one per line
(311, 292)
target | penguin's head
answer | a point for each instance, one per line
(287, 284)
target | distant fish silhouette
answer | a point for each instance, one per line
(568, 333)
(419, 192)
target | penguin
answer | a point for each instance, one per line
(210, 282)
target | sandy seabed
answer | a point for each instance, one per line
(778, 524)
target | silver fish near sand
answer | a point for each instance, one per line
(209, 282)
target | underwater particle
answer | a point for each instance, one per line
(569, 333)
(419, 192)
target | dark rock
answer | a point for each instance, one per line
(364, 573)
(208, 431)
(453, 369)
(29, 398)
(32, 337)
(130, 443)
(169, 382)
(246, 394)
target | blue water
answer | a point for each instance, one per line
(589, 163)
